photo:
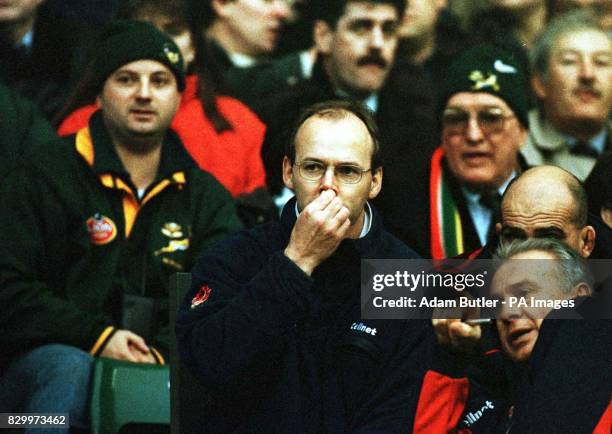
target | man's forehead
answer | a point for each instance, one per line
(356, 10)
(476, 100)
(145, 66)
(344, 137)
(583, 40)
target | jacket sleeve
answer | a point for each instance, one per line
(35, 228)
(214, 215)
(452, 397)
(244, 300)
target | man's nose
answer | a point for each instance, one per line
(473, 132)
(509, 309)
(280, 9)
(377, 38)
(144, 90)
(328, 181)
(586, 70)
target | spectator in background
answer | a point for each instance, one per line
(221, 134)
(22, 126)
(450, 204)
(99, 221)
(417, 31)
(572, 78)
(356, 42)
(601, 10)
(40, 53)
(242, 36)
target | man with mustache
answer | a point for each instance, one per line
(93, 227)
(452, 203)
(572, 78)
(356, 42)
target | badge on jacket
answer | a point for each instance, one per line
(102, 230)
(201, 296)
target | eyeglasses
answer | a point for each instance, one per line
(490, 121)
(345, 173)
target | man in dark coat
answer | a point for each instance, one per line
(272, 325)
(41, 53)
(94, 226)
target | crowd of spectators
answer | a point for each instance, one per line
(134, 134)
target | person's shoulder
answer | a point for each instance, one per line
(238, 113)
(289, 101)
(244, 250)
(205, 183)
(395, 248)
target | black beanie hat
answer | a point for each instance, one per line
(124, 41)
(490, 69)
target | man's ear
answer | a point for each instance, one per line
(538, 86)
(288, 173)
(587, 241)
(323, 37)
(582, 290)
(375, 183)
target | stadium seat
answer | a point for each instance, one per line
(128, 393)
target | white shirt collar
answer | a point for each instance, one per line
(370, 102)
(241, 60)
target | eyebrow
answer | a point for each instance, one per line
(337, 163)
(478, 107)
(512, 232)
(549, 232)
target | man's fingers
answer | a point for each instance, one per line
(333, 207)
(138, 342)
(464, 336)
(441, 329)
(322, 201)
(344, 227)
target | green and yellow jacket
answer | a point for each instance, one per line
(76, 237)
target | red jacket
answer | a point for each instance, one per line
(233, 157)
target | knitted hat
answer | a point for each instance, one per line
(490, 69)
(124, 41)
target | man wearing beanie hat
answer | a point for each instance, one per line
(453, 206)
(98, 223)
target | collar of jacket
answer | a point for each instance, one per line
(363, 245)
(320, 78)
(548, 138)
(101, 155)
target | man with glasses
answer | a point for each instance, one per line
(453, 204)
(272, 325)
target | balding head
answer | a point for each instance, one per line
(547, 201)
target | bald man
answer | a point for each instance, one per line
(547, 202)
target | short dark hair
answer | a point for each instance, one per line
(131, 9)
(338, 109)
(598, 184)
(331, 11)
